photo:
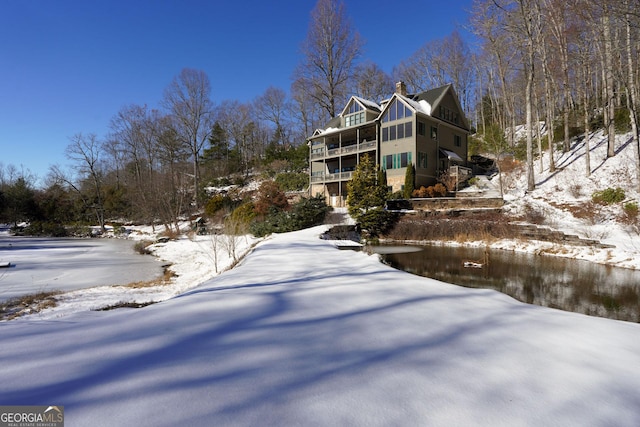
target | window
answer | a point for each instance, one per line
(354, 119)
(422, 160)
(397, 110)
(408, 129)
(387, 162)
(393, 132)
(354, 107)
(434, 132)
(446, 114)
(457, 141)
(403, 159)
(396, 161)
(422, 128)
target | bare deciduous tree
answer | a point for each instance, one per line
(330, 51)
(188, 100)
(85, 152)
(371, 82)
(273, 107)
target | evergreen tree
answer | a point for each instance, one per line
(19, 202)
(220, 159)
(409, 181)
(367, 195)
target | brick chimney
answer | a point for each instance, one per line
(401, 88)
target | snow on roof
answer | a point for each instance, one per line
(421, 106)
(371, 105)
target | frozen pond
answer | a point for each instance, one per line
(47, 264)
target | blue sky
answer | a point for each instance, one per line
(68, 66)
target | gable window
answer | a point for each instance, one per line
(354, 108)
(397, 110)
(446, 114)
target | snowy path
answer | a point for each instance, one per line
(303, 334)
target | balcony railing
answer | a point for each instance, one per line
(339, 176)
(349, 149)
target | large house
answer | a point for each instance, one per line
(428, 130)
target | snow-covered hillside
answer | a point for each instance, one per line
(562, 201)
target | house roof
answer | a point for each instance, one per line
(423, 102)
(433, 97)
(370, 105)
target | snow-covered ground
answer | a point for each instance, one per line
(300, 333)
(559, 193)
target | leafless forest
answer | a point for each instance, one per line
(569, 64)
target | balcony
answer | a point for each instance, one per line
(339, 176)
(349, 149)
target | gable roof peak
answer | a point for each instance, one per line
(365, 103)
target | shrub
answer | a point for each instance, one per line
(142, 247)
(305, 213)
(310, 211)
(575, 190)
(213, 205)
(630, 214)
(420, 192)
(631, 209)
(397, 195)
(243, 214)
(270, 196)
(440, 190)
(608, 196)
(534, 215)
(45, 228)
(292, 181)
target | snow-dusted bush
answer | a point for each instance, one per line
(608, 196)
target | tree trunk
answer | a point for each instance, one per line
(632, 94)
(609, 84)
